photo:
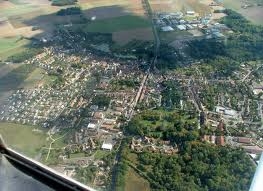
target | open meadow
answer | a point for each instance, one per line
(24, 138)
(135, 182)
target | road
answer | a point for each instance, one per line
(249, 73)
(53, 141)
(142, 86)
(148, 9)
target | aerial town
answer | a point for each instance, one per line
(104, 107)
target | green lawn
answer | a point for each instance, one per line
(77, 155)
(49, 79)
(117, 24)
(101, 153)
(22, 138)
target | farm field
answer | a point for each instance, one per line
(112, 8)
(117, 24)
(123, 37)
(33, 78)
(22, 138)
(6, 68)
(15, 17)
(169, 37)
(15, 78)
(18, 17)
(180, 5)
(10, 45)
(254, 14)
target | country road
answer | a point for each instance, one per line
(152, 66)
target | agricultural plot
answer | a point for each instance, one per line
(112, 8)
(15, 78)
(15, 17)
(6, 68)
(253, 13)
(180, 5)
(11, 45)
(123, 37)
(117, 24)
(33, 78)
(125, 19)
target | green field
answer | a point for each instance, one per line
(22, 138)
(135, 182)
(33, 78)
(169, 37)
(15, 78)
(77, 155)
(10, 46)
(99, 154)
(117, 24)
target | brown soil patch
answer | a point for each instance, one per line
(20, 20)
(6, 29)
(179, 5)
(123, 37)
(108, 8)
(217, 16)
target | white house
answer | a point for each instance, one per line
(107, 146)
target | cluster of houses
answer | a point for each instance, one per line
(178, 21)
(141, 144)
(190, 21)
(33, 106)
